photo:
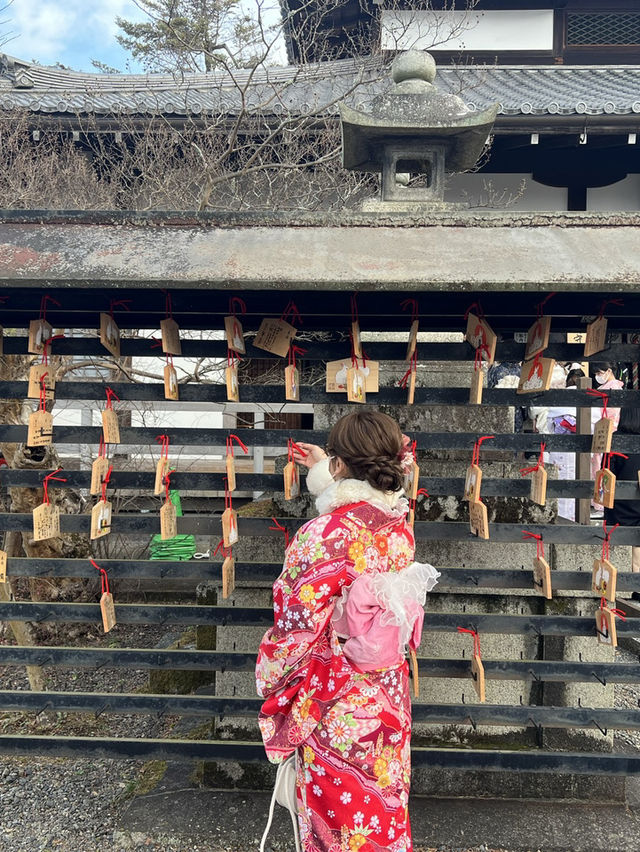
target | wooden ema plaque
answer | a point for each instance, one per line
(413, 340)
(110, 334)
(99, 470)
(100, 519)
(411, 480)
(110, 426)
(231, 472)
(46, 522)
(229, 528)
(472, 483)
(537, 338)
(1, 340)
(356, 339)
(170, 332)
(538, 493)
(596, 339)
(35, 376)
(275, 336)
(478, 519)
(168, 521)
(356, 385)
(336, 376)
(40, 433)
(39, 331)
(477, 673)
(479, 333)
(161, 471)
(291, 481)
(606, 628)
(477, 386)
(602, 434)
(108, 611)
(603, 579)
(604, 488)
(170, 377)
(411, 386)
(228, 576)
(542, 577)
(3, 567)
(535, 377)
(234, 335)
(231, 379)
(292, 383)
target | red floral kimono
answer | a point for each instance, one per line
(351, 728)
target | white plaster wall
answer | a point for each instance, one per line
(505, 192)
(624, 195)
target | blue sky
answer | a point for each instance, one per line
(72, 32)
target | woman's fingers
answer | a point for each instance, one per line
(313, 455)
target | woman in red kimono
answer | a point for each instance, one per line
(332, 669)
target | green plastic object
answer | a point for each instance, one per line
(180, 548)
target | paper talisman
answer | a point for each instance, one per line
(411, 386)
(40, 432)
(538, 493)
(356, 385)
(275, 335)
(229, 527)
(291, 481)
(356, 339)
(413, 340)
(472, 483)
(171, 390)
(231, 472)
(39, 331)
(46, 522)
(478, 519)
(110, 334)
(411, 479)
(479, 333)
(3, 567)
(477, 385)
(603, 579)
(231, 379)
(477, 673)
(110, 426)
(35, 375)
(228, 576)
(606, 627)
(292, 383)
(537, 338)
(99, 470)
(604, 488)
(108, 611)
(542, 576)
(602, 435)
(234, 334)
(336, 377)
(596, 339)
(535, 375)
(168, 520)
(101, 519)
(171, 344)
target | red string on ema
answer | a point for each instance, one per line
(111, 395)
(606, 459)
(45, 344)
(102, 447)
(282, 529)
(618, 612)
(413, 304)
(291, 314)
(228, 502)
(168, 307)
(606, 302)
(475, 459)
(237, 301)
(43, 305)
(230, 440)
(414, 502)
(540, 305)
(105, 482)
(104, 579)
(43, 392)
(477, 307)
(119, 303)
(476, 640)
(167, 484)
(539, 542)
(480, 350)
(233, 359)
(539, 464)
(413, 366)
(604, 397)
(225, 551)
(293, 447)
(354, 307)
(293, 351)
(163, 440)
(51, 477)
(607, 539)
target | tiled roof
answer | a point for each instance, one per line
(520, 90)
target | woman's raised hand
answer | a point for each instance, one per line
(314, 454)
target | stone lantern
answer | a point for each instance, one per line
(414, 131)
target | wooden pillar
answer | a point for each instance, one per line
(583, 460)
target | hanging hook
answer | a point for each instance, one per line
(601, 679)
(603, 731)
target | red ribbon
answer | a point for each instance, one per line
(536, 367)
(291, 446)
(43, 305)
(169, 358)
(103, 577)
(541, 304)
(230, 441)
(167, 304)
(282, 529)
(609, 302)
(119, 303)
(414, 500)
(47, 342)
(163, 440)
(477, 363)
(413, 304)
(236, 300)
(607, 539)
(233, 359)
(540, 464)
(476, 640)
(618, 612)
(413, 366)
(291, 314)
(105, 482)
(607, 459)
(293, 351)
(167, 484)
(604, 396)
(42, 405)
(228, 502)
(539, 542)
(226, 551)
(354, 307)
(48, 478)
(479, 311)
(475, 458)
(111, 395)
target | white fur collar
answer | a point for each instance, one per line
(346, 491)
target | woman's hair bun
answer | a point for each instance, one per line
(370, 444)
